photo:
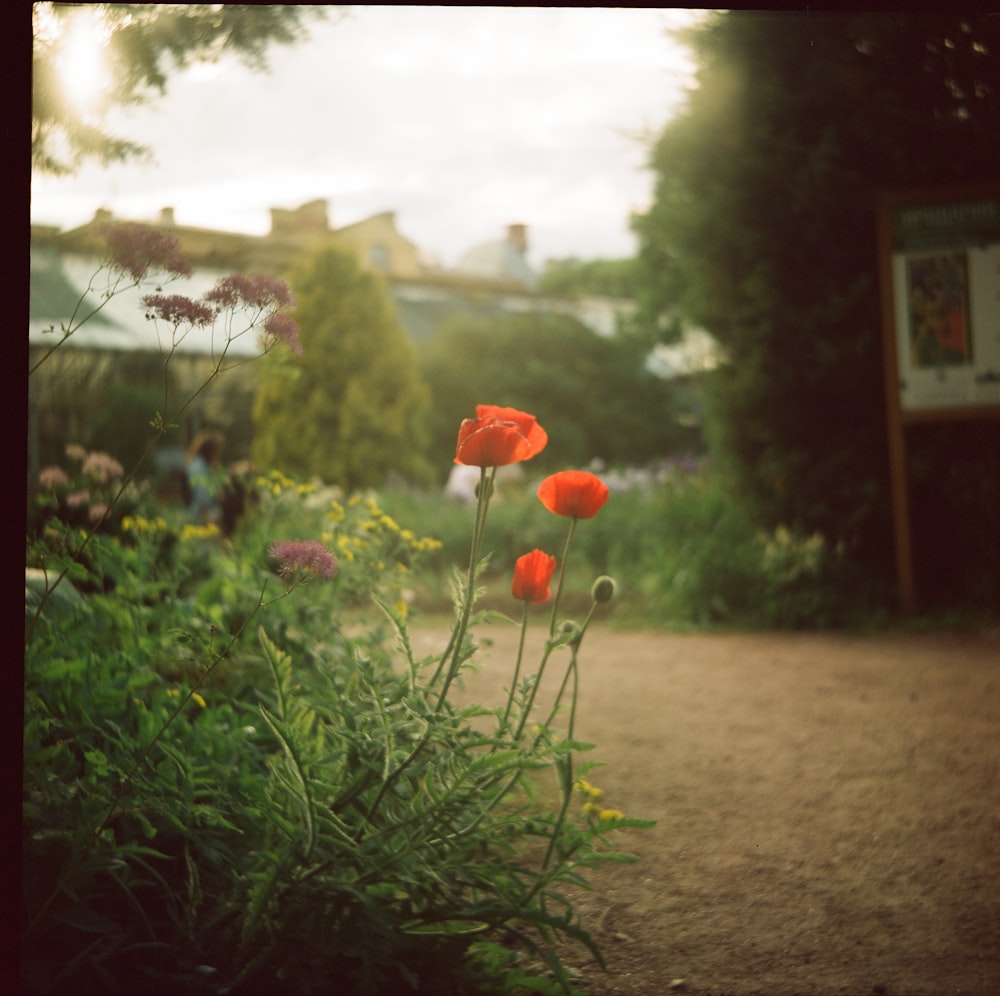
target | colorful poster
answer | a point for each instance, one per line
(937, 292)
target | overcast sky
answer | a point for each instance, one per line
(460, 119)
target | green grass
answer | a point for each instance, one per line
(684, 555)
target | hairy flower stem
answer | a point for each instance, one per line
(451, 659)
(571, 668)
(484, 494)
(517, 668)
(552, 629)
(562, 574)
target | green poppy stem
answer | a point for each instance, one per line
(517, 667)
(458, 635)
(562, 575)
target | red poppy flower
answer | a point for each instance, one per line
(575, 493)
(532, 574)
(498, 436)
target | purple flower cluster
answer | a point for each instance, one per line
(256, 290)
(282, 326)
(303, 555)
(137, 249)
(177, 309)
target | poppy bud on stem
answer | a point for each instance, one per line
(603, 589)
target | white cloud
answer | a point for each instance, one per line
(461, 119)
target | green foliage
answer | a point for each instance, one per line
(685, 549)
(121, 424)
(606, 277)
(227, 789)
(146, 43)
(591, 392)
(762, 231)
(352, 409)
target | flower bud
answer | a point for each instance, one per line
(603, 589)
(570, 632)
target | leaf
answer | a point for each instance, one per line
(445, 928)
(300, 779)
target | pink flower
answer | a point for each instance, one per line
(284, 327)
(77, 498)
(176, 309)
(76, 452)
(137, 249)
(97, 512)
(257, 291)
(51, 478)
(303, 555)
(102, 466)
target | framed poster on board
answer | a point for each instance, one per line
(939, 272)
(945, 265)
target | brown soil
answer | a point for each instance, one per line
(827, 807)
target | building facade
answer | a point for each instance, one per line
(492, 278)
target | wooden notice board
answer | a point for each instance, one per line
(939, 260)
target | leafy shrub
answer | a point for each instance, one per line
(229, 787)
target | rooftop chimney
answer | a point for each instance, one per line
(167, 217)
(517, 236)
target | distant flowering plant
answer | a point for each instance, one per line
(257, 290)
(140, 250)
(282, 327)
(499, 436)
(259, 297)
(82, 495)
(51, 478)
(176, 309)
(237, 305)
(102, 466)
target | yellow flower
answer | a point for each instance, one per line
(192, 531)
(611, 814)
(197, 698)
(335, 512)
(587, 789)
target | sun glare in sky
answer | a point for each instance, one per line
(83, 65)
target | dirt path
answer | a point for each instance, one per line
(828, 810)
